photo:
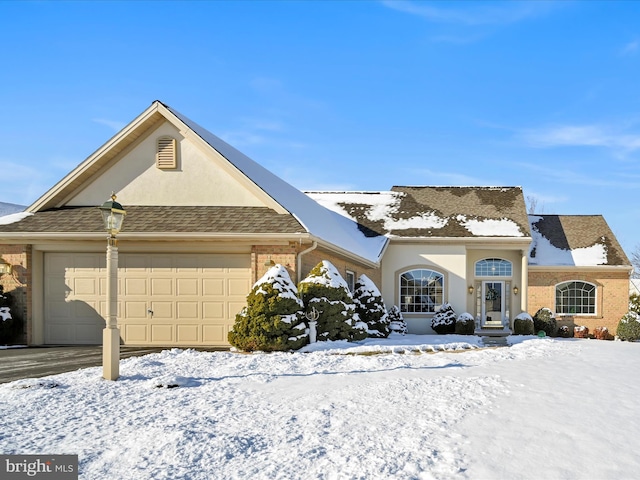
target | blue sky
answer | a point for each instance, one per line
(339, 95)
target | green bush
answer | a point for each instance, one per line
(325, 289)
(273, 318)
(564, 331)
(545, 321)
(444, 321)
(629, 327)
(465, 324)
(523, 325)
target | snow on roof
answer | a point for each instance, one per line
(14, 218)
(404, 213)
(319, 221)
(552, 246)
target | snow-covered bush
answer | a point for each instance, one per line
(370, 307)
(564, 331)
(545, 320)
(465, 324)
(325, 289)
(523, 324)
(273, 317)
(396, 321)
(634, 303)
(10, 324)
(444, 321)
(602, 333)
(580, 331)
(629, 327)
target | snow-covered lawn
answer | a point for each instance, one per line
(542, 408)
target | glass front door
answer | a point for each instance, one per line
(493, 307)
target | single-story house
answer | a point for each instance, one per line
(204, 222)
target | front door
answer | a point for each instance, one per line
(493, 307)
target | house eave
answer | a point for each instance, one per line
(585, 268)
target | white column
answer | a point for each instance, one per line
(111, 333)
(524, 288)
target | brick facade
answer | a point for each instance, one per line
(287, 255)
(612, 296)
(18, 283)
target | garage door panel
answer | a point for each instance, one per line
(136, 333)
(187, 286)
(188, 310)
(213, 286)
(161, 286)
(188, 334)
(162, 334)
(214, 334)
(194, 297)
(135, 286)
(162, 310)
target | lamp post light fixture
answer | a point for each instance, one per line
(113, 216)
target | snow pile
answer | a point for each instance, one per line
(460, 413)
(5, 314)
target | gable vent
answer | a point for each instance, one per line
(166, 157)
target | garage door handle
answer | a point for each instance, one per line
(150, 312)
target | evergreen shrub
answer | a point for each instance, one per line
(629, 327)
(10, 322)
(544, 320)
(396, 321)
(444, 321)
(523, 324)
(634, 303)
(465, 324)
(370, 307)
(273, 317)
(325, 289)
(564, 331)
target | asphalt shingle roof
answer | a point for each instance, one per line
(161, 219)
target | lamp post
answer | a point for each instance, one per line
(113, 216)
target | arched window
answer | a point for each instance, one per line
(421, 290)
(576, 298)
(494, 267)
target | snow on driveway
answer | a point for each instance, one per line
(541, 408)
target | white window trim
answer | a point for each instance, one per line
(595, 300)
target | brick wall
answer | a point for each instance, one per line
(612, 296)
(312, 258)
(18, 283)
(287, 255)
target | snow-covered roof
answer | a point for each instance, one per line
(574, 240)
(9, 208)
(317, 220)
(434, 211)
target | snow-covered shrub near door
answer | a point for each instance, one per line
(273, 317)
(465, 324)
(10, 324)
(444, 321)
(396, 321)
(326, 290)
(545, 320)
(629, 327)
(370, 307)
(523, 324)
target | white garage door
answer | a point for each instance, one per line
(163, 299)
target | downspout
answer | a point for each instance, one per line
(299, 264)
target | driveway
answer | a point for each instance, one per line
(36, 362)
